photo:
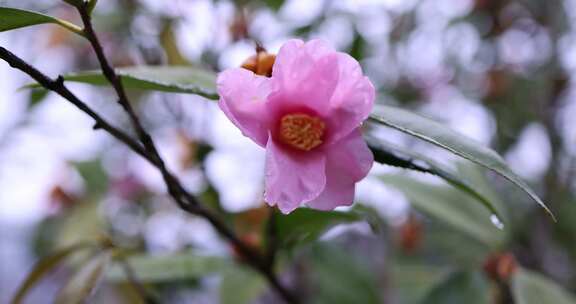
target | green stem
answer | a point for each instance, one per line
(71, 27)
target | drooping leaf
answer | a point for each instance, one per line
(341, 277)
(11, 18)
(171, 79)
(390, 154)
(306, 225)
(43, 267)
(441, 136)
(82, 284)
(529, 287)
(154, 269)
(460, 287)
(413, 281)
(241, 285)
(449, 206)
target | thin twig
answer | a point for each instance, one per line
(115, 80)
(184, 199)
(57, 86)
(146, 149)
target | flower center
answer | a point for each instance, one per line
(301, 131)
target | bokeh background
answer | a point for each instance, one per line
(498, 71)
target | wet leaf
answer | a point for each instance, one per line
(392, 155)
(441, 136)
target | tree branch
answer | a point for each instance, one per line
(147, 149)
(183, 198)
(57, 86)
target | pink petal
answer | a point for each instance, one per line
(305, 76)
(331, 84)
(348, 161)
(296, 58)
(243, 99)
(352, 100)
(339, 190)
(292, 178)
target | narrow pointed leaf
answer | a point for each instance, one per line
(12, 18)
(532, 288)
(167, 268)
(82, 284)
(441, 136)
(449, 206)
(171, 79)
(306, 225)
(44, 267)
(390, 154)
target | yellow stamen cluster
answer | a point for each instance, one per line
(301, 131)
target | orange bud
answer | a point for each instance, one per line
(500, 266)
(261, 63)
(411, 235)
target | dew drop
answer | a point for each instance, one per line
(496, 221)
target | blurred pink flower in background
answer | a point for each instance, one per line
(308, 117)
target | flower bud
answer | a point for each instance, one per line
(261, 63)
(500, 266)
(411, 235)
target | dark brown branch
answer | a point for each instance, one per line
(57, 86)
(115, 80)
(146, 149)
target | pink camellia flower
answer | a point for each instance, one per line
(308, 117)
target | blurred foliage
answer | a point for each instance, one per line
(439, 251)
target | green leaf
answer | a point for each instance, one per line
(306, 225)
(83, 223)
(461, 287)
(36, 97)
(43, 267)
(95, 178)
(168, 268)
(81, 285)
(241, 285)
(529, 287)
(341, 277)
(387, 154)
(171, 79)
(11, 18)
(450, 206)
(274, 4)
(414, 281)
(440, 135)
